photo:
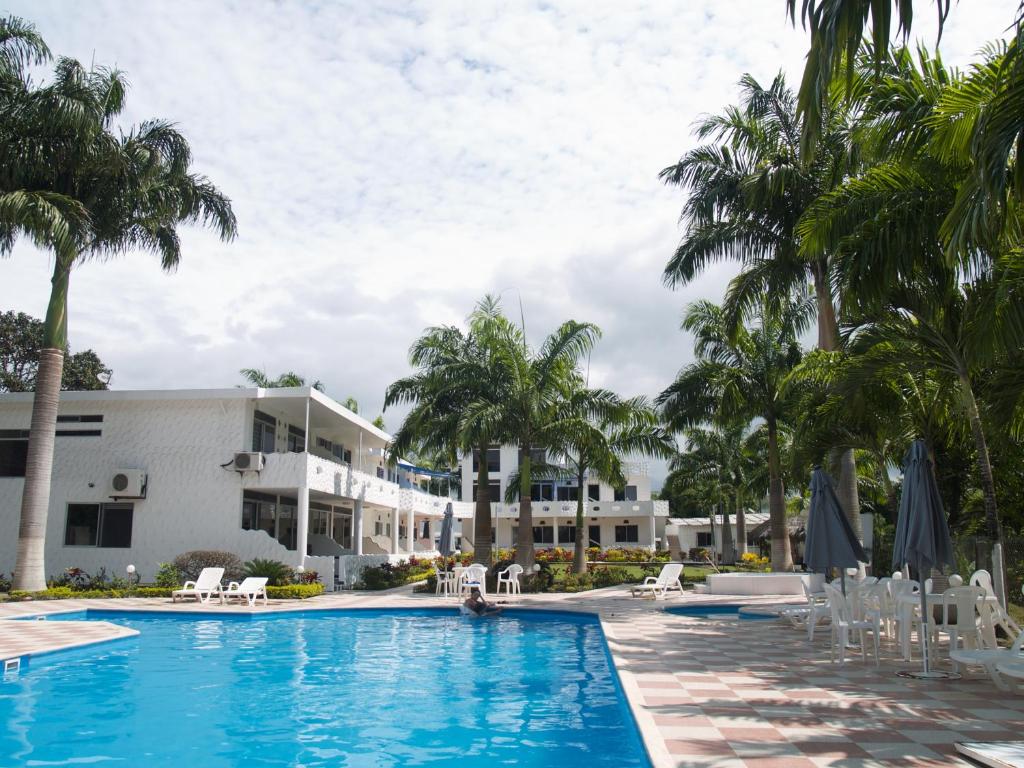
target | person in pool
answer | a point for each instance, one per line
(476, 605)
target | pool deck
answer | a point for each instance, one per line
(710, 693)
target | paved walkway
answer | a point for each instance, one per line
(715, 693)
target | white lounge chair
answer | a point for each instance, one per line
(251, 588)
(510, 578)
(991, 658)
(659, 585)
(202, 589)
(810, 614)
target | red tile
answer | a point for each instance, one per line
(831, 749)
(778, 762)
(751, 734)
(704, 747)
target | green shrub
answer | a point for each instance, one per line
(167, 575)
(390, 575)
(277, 573)
(190, 564)
(5, 583)
(295, 591)
(65, 593)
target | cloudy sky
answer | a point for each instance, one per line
(390, 163)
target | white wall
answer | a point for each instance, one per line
(192, 503)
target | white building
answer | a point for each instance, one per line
(142, 476)
(696, 532)
(625, 517)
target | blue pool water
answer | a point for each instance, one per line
(717, 612)
(359, 689)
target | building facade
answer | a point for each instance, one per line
(287, 474)
(615, 517)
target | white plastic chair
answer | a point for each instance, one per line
(982, 578)
(843, 624)
(475, 576)
(659, 585)
(445, 581)
(251, 588)
(510, 578)
(203, 588)
(963, 627)
(906, 615)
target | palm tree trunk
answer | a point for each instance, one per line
(728, 548)
(524, 542)
(782, 555)
(993, 526)
(30, 568)
(741, 525)
(579, 556)
(482, 514)
(849, 498)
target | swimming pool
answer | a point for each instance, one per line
(318, 688)
(719, 612)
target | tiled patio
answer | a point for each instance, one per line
(720, 693)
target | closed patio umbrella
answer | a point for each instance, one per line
(830, 541)
(922, 534)
(444, 544)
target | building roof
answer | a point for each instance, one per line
(232, 393)
(751, 519)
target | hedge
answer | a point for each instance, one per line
(288, 592)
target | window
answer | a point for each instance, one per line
(287, 522)
(543, 534)
(319, 517)
(542, 492)
(493, 460)
(626, 494)
(378, 527)
(264, 431)
(259, 511)
(13, 454)
(296, 439)
(494, 492)
(566, 534)
(568, 493)
(347, 457)
(323, 442)
(99, 525)
(594, 534)
(627, 534)
(594, 492)
(705, 539)
(94, 418)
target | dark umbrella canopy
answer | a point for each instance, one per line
(831, 542)
(922, 534)
(444, 544)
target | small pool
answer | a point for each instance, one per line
(325, 688)
(719, 612)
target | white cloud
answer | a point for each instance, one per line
(389, 163)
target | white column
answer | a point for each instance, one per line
(357, 527)
(554, 526)
(654, 530)
(394, 531)
(410, 533)
(302, 525)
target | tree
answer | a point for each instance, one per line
(530, 411)
(259, 378)
(594, 431)
(80, 188)
(21, 337)
(454, 383)
(749, 187)
(379, 422)
(739, 377)
(351, 403)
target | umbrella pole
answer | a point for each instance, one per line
(924, 629)
(842, 578)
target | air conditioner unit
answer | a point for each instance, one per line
(128, 484)
(248, 461)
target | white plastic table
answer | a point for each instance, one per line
(1014, 669)
(906, 604)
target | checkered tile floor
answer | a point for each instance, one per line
(758, 694)
(18, 638)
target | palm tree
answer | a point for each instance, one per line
(258, 378)
(530, 410)
(453, 383)
(739, 377)
(749, 187)
(352, 404)
(594, 431)
(103, 193)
